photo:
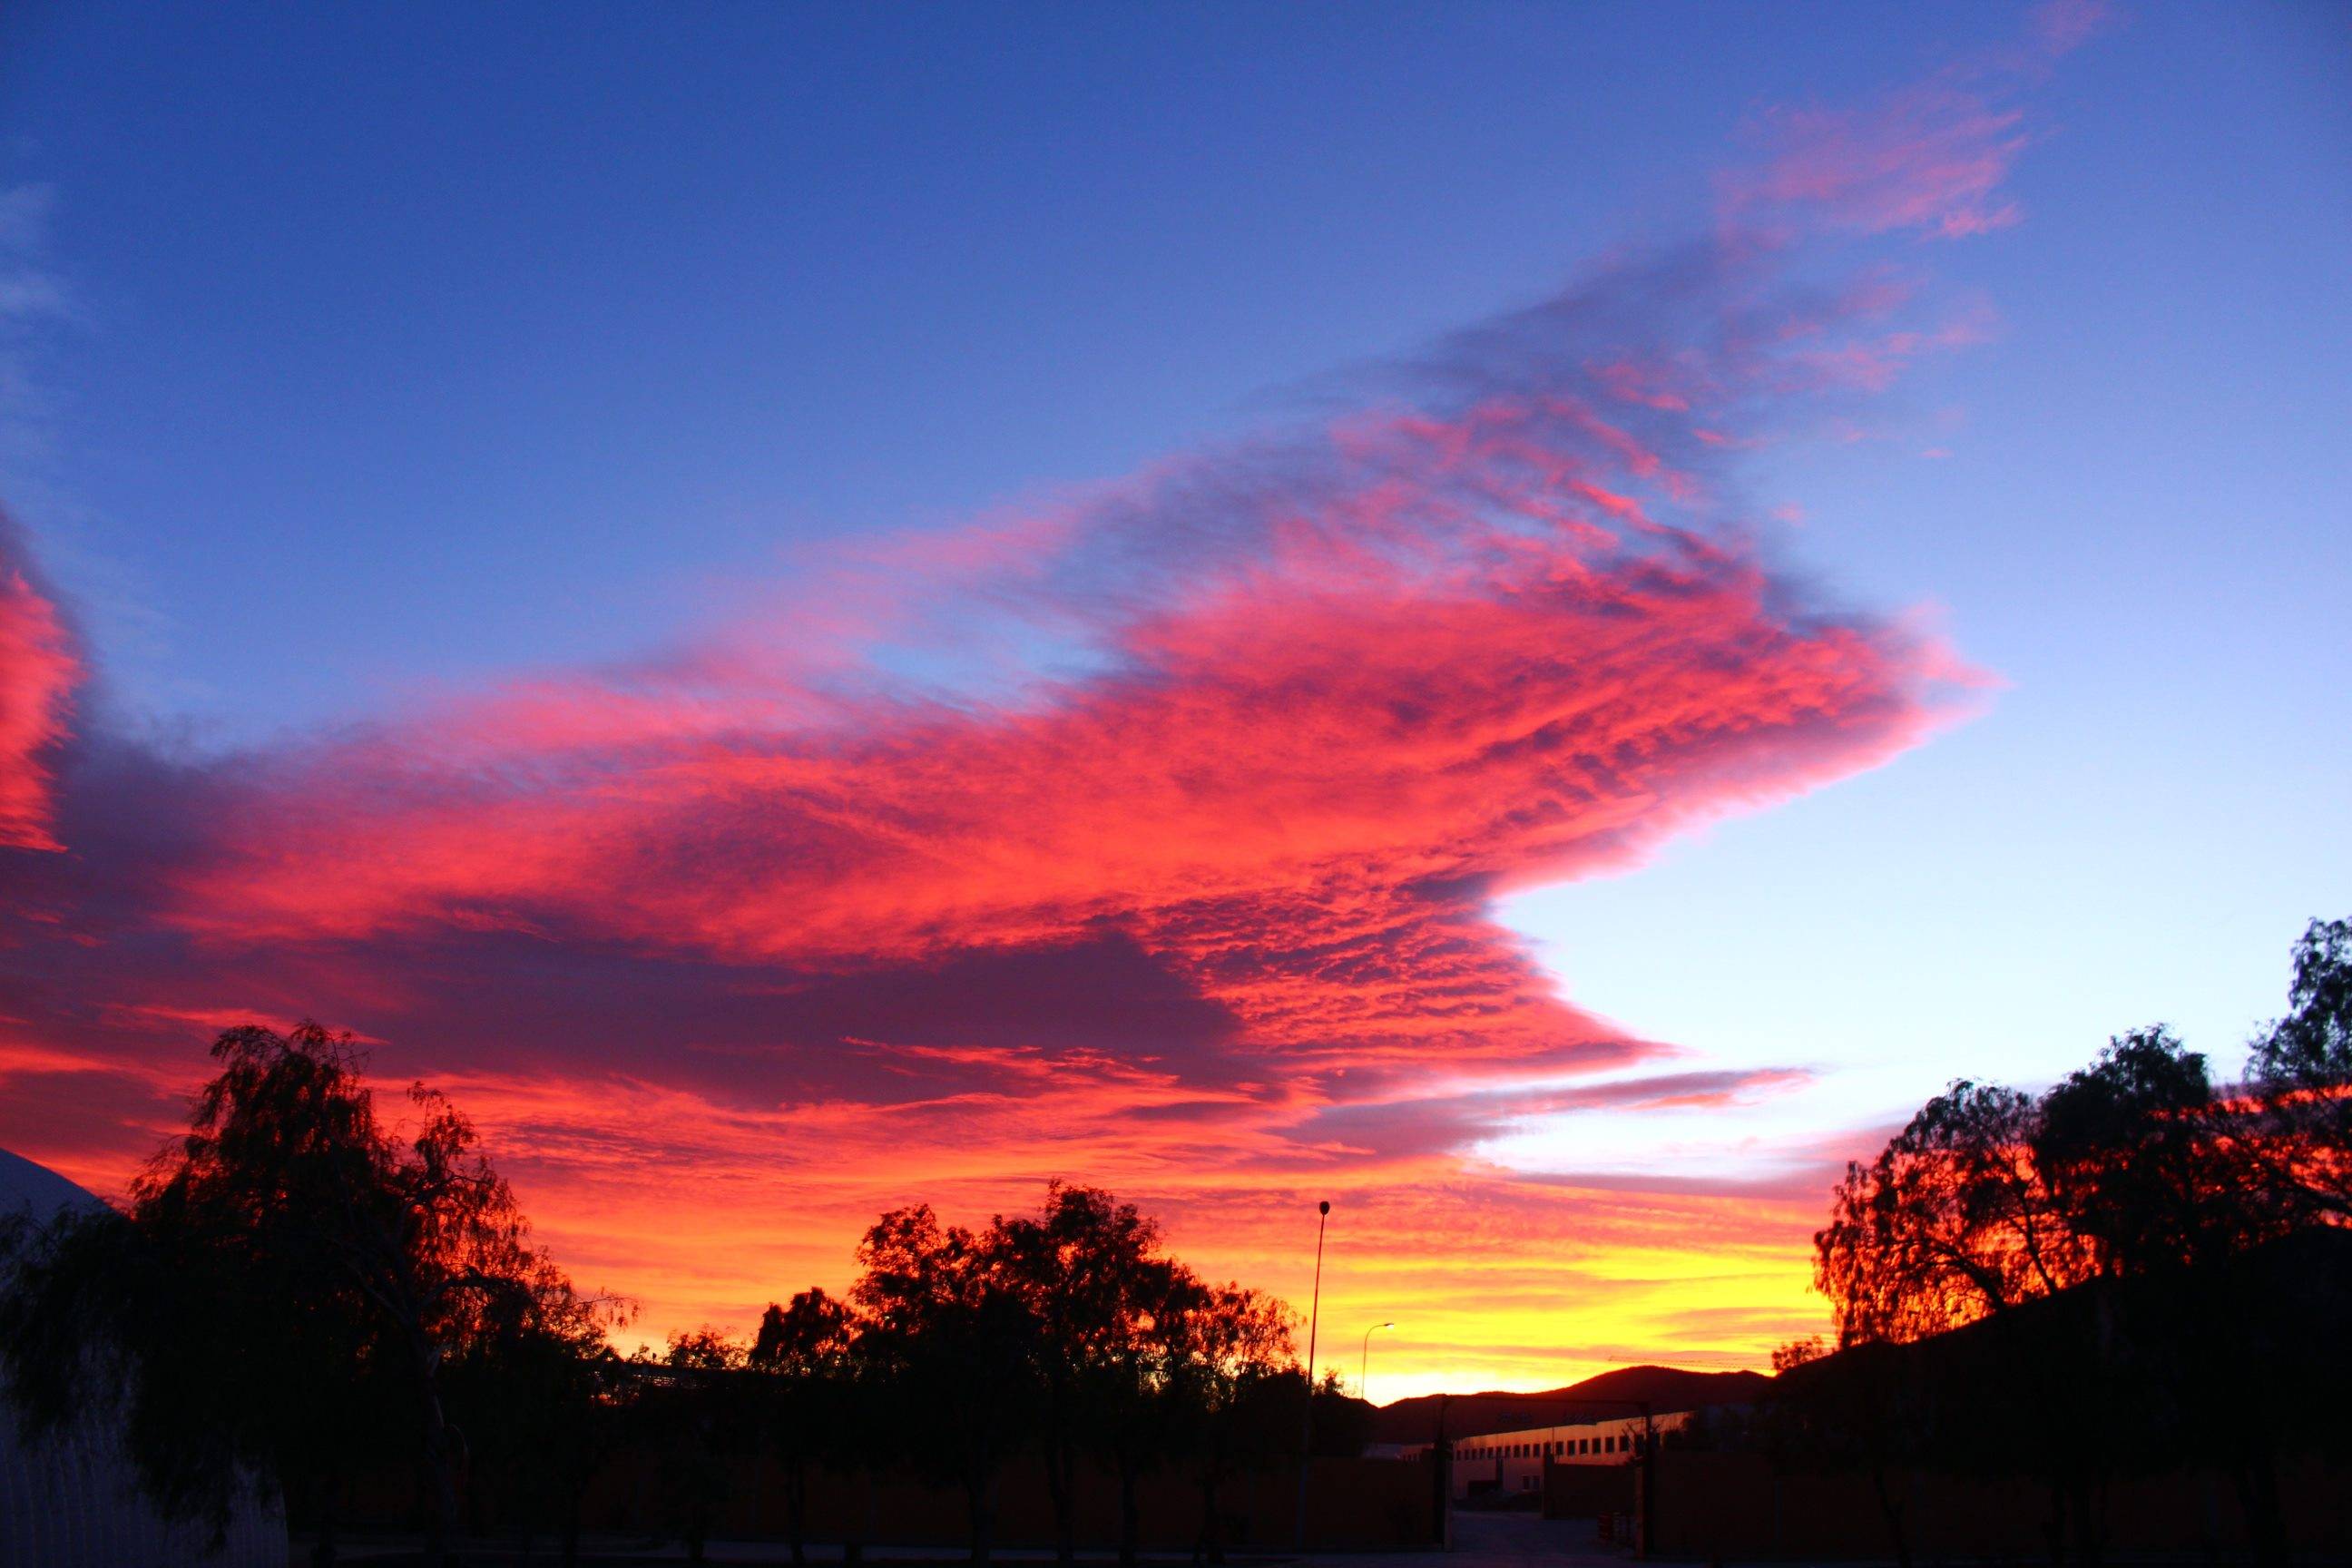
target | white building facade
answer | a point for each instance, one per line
(1514, 1461)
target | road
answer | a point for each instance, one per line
(1480, 1541)
(1500, 1540)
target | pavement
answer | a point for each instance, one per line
(1499, 1541)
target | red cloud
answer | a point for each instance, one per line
(1433, 667)
(1147, 834)
(38, 673)
(1203, 917)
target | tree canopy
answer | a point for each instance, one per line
(280, 1296)
(2111, 1236)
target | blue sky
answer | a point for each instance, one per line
(410, 346)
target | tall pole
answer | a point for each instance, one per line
(1306, 1416)
(1442, 1479)
(1647, 1480)
(1364, 1363)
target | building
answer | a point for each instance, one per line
(1504, 1462)
(70, 1501)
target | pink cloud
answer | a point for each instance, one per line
(38, 673)
(1929, 159)
(1174, 867)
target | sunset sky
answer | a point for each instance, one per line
(1533, 619)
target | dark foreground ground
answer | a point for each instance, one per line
(1481, 1541)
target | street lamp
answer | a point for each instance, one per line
(1364, 1367)
(1307, 1418)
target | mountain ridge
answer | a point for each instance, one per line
(1613, 1392)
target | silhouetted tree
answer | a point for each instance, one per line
(316, 1258)
(2168, 1182)
(2302, 1069)
(1343, 1422)
(1957, 1221)
(2134, 1188)
(228, 1373)
(1232, 1361)
(543, 1404)
(2151, 1174)
(946, 1325)
(1105, 1304)
(1952, 1222)
(807, 1356)
(1134, 1389)
(697, 1409)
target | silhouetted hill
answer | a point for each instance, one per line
(36, 1189)
(1471, 1414)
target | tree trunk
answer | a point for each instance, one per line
(796, 1510)
(2258, 1499)
(1131, 1515)
(1060, 1465)
(1894, 1513)
(983, 1515)
(2083, 1503)
(571, 1526)
(440, 1490)
(853, 1549)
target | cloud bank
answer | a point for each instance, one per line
(1146, 833)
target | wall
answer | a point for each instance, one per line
(1588, 1491)
(1737, 1505)
(1352, 1504)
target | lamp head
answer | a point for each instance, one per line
(1323, 1208)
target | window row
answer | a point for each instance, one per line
(1556, 1447)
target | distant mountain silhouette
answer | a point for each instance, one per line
(1474, 1414)
(36, 1189)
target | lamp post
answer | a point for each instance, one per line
(1364, 1366)
(1306, 1417)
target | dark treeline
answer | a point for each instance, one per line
(1067, 1335)
(299, 1295)
(2137, 1272)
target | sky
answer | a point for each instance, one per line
(1536, 620)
